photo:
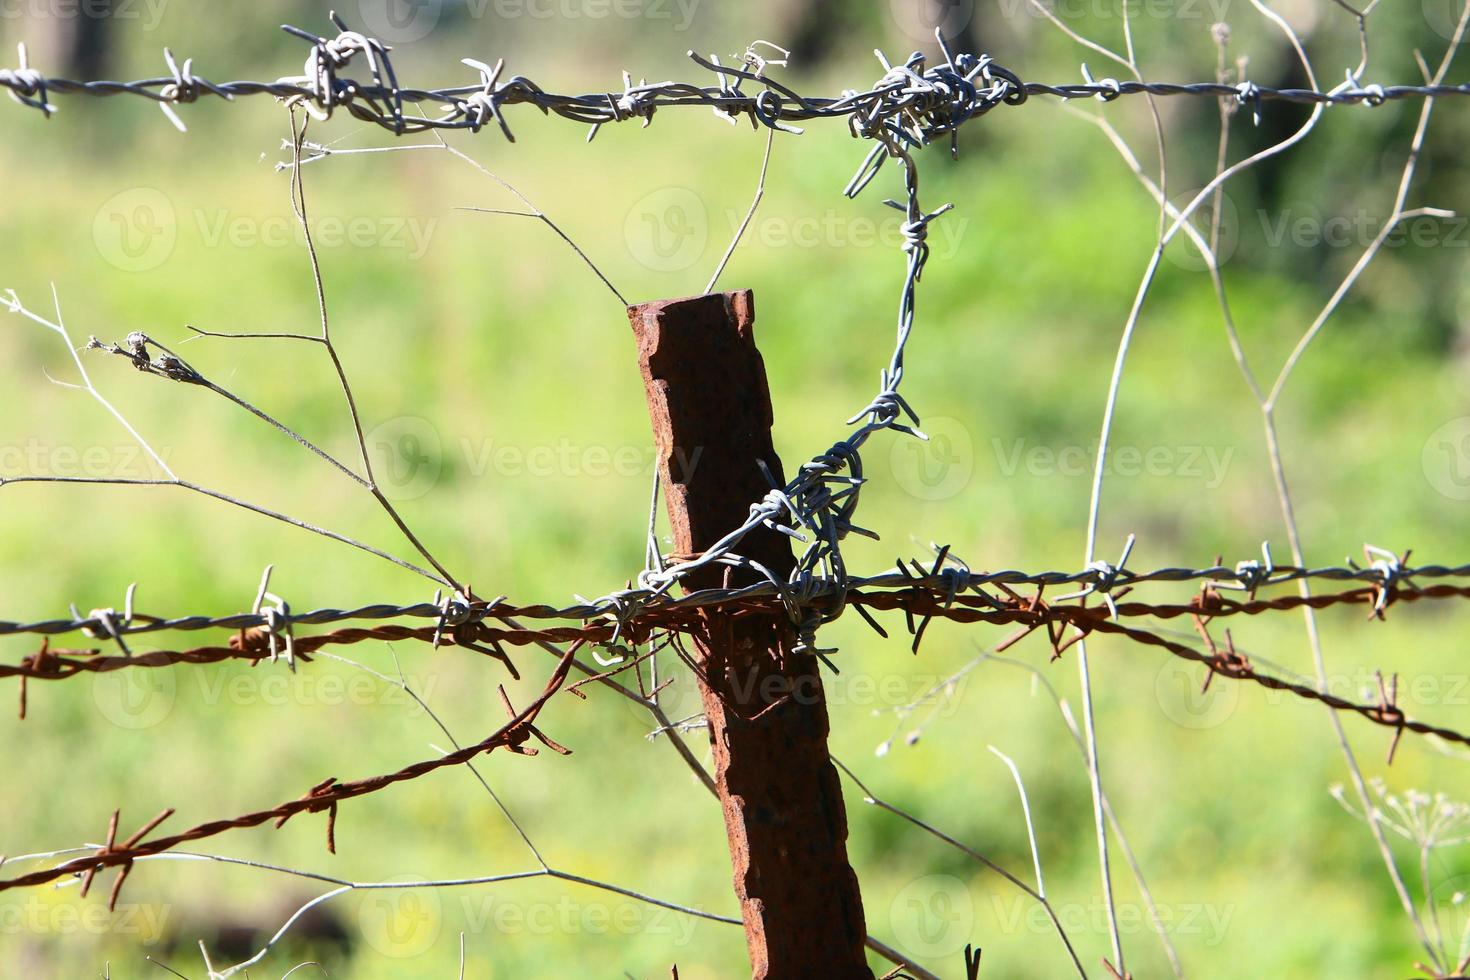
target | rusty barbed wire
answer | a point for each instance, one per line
(910, 106)
(382, 100)
(321, 798)
(920, 599)
(325, 795)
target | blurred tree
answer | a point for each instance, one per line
(76, 39)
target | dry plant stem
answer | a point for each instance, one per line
(1094, 510)
(298, 205)
(533, 212)
(1267, 404)
(513, 734)
(871, 798)
(322, 152)
(1288, 509)
(760, 190)
(1129, 856)
(649, 704)
(236, 501)
(14, 305)
(1083, 666)
(883, 950)
(402, 683)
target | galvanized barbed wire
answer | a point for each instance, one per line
(381, 101)
(909, 106)
(1250, 575)
(1031, 613)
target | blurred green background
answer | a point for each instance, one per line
(498, 381)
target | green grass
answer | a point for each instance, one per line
(496, 342)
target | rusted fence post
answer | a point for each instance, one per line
(711, 412)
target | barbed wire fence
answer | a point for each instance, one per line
(913, 104)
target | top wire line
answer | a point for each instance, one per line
(907, 101)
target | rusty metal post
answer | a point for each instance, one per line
(711, 412)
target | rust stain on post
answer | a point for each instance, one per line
(711, 412)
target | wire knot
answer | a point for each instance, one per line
(185, 87)
(328, 55)
(484, 104)
(27, 85)
(1110, 88)
(637, 101)
(275, 621)
(107, 624)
